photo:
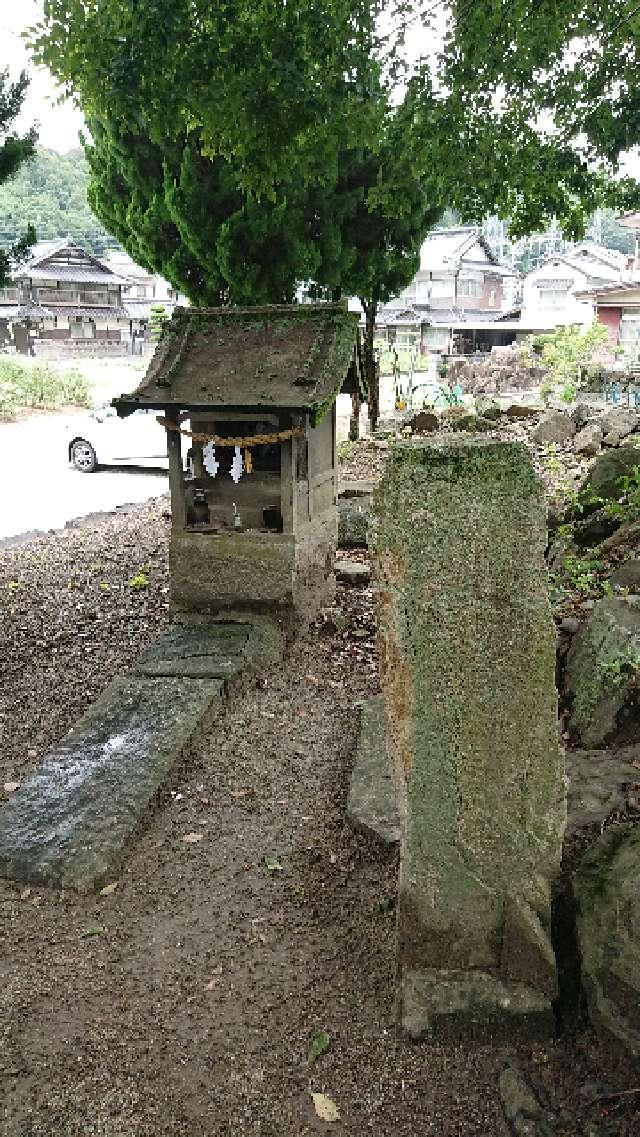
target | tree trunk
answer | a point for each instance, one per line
(354, 422)
(370, 370)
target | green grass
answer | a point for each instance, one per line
(24, 385)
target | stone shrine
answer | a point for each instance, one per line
(247, 397)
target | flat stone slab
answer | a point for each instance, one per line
(598, 784)
(68, 823)
(352, 572)
(371, 807)
(464, 1004)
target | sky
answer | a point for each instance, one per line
(59, 125)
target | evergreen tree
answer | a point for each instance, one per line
(15, 150)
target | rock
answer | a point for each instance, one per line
(448, 1005)
(354, 514)
(627, 575)
(424, 422)
(619, 421)
(355, 488)
(520, 410)
(333, 620)
(594, 528)
(465, 671)
(602, 671)
(599, 784)
(352, 572)
(606, 887)
(522, 1109)
(372, 806)
(611, 439)
(603, 480)
(587, 440)
(556, 426)
(582, 413)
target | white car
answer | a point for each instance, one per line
(101, 437)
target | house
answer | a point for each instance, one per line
(145, 290)
(67, 301)
(559, 291)
(459, 283)
(617, 306)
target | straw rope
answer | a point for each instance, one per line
(243, 441)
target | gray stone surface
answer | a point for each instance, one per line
(602, 670)
(453, 1004)
(354, 514)
(522, 1108)
(467, 657)
(372, 807)
(607, 886)
(619, 421)
(599, 783)
(68, 823)
(588, 440)
(197, 652)
(556, 426)
(605, 474)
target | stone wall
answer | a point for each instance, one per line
(500, 370)
(467, 653)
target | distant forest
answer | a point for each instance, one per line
(50, 192)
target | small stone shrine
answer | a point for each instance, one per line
(247, 397)
(467, 659)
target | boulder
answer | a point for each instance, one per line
(604, 477)
(606, 887)
(557, 427)
(588, 439)
(581, 414)
(598, 784)
(488, 408)
(602, 670)
(627, 575)
(467, 422)
(424, 422)
(522, 411)
(620, 421)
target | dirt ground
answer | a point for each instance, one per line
(183, 1002)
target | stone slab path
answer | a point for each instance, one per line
(372, 807)
(68, 823)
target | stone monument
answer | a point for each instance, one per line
(467, 650)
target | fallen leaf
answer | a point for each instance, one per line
(320, 1043)
(37, 901)
(11, 787)
(93, 930)
(25, 894)
(272, 864)
(192, 838)
(109, 889)
(211, 984)
(325, 1108)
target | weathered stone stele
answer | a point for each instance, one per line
(467, 653)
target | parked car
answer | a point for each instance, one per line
(101, 437)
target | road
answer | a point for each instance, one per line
(40, 491)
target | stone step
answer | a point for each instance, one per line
(69, 822)
(353, 572)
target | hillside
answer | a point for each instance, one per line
(50, 192)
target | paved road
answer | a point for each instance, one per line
(40, 491)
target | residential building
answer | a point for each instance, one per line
(66, 301)
(559, 291)
(459, 284)
(617, 307)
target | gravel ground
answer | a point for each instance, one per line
(184, 1000)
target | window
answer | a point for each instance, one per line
(552, 298)
(630, 332)
(82, 329)
(442, 286)
(469, 286)
(141, 290)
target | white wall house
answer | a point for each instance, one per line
(557, 292)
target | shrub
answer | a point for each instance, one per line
(25, 385)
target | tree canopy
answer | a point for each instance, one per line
(15, 149)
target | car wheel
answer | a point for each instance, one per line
(83, 456)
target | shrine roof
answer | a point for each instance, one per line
(291, 357)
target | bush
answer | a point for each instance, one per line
(36, 385)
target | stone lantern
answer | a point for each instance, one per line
(247, 398)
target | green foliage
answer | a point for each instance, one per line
(565, 353)
(15, 150)
(139, 580)
(50, 192)
(157, 320)
(25, 385)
